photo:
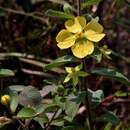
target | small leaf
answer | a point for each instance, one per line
(121, 94)
(54, 13)
(108, 117)
(16, 88)
(50, 108)
(111, 73)
(61, 61)
(26, 113)
(47, 89)
(14, 101)
(67, 78)
(90, 2)
(30, 96)
(95, 97)
(82, 74)
(67, 8)
(71, 107)
(6, 73)
(41, 119)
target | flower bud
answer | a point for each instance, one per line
(5, 100)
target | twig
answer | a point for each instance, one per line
(49, 123)
(87, 102)
(78, 7)
(24, 13)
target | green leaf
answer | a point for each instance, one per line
(14, 101)
(16, 88)
(111, 73)
(61, 61)
(6, 73)
(54, 13)
(26, 112)
(122, 94)
(30, 96)
(58, 122)
(82, 74)
(80, 97)
(52, 107)
(41, 119)
(73, 127)
(47, 89)
(90, 2)
(71, 107)
(67, 8)
(108, 116)
(95, 97)
(67, 78)
(97, 55)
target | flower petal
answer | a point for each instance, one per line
(69, 69)
(93, 36)
(76, 25)
(65, 39)
(83, 48)
(95, 26)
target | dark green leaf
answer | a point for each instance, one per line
(90, 2)
(54, 13)
(95, 97)
(52, 107)
(61, 61)
(26, 113)
(108, 116)
(111, 73)
(71, 106)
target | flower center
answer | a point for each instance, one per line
(81, 35)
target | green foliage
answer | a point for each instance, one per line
(48, 97)
(59, 14)
(26, 113)
(14, 101)
(61, 61)
(90, 2)
(30, 96)
(111, 73)
(6, 73)
(108, 116)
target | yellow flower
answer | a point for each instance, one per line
(5, 99)
(74, 73)
(80, 36)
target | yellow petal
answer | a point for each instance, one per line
(76, 25)
(82, 49)
(69, 69)
(65, 39)
(95, 26)
(94, 36)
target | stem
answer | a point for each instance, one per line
(24, 13)
(87, 102)
(78, 7)
(49, 123)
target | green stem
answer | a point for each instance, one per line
(87, 102)
(85, 84)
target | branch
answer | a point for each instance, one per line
(24, 13)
